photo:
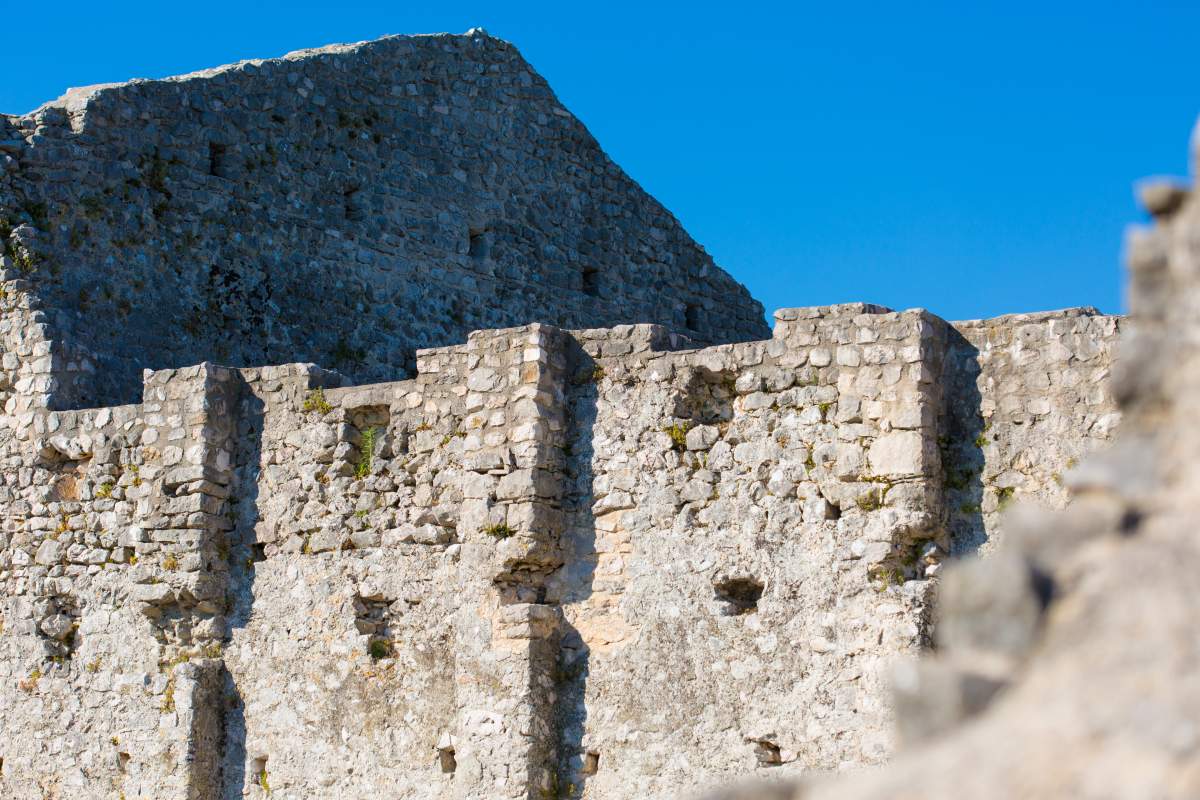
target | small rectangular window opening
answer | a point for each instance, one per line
(352, 204)
(479, 243)
(446, 760)
(216, 159)
(591, 282)
(692, 317)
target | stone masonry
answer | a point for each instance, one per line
(553, 564)
(1066, 658)
(543, 560)
(345, 205)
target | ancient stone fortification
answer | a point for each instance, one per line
(1067, 657)
(551, 563)
(343, 206)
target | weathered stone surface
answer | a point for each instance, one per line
(1099, 662)
(590, 563)
(346, 205)
(896, 455)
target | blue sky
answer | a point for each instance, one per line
(970, 158)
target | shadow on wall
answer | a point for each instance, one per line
(245, 554)
(961, 445)
(574, 584)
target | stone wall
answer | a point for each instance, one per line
(1027, 397)
(761, 517)
(345, 206)
(1066, 658)
(591, 564)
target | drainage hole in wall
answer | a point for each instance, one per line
(446, 760)
(767, 753)
(478, 243)
(738, 595)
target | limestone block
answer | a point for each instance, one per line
(50, 551)
(702, 437)
(897, 454)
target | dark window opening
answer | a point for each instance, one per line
(591, 282)
(352, 204)
(738, 595)
(216, 159)
(479, 243)
(692, 317)
(446, 760)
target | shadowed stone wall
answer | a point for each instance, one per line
(345, 206)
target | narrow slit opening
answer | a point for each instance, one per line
(352, 204)
(216, 159)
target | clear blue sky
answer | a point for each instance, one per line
(971, 158)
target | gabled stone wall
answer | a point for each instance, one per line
(346, 206)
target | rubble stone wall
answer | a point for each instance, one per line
(1027, 396)
(345, 206)
(764, 516)
(552, 564)
(1066, 657)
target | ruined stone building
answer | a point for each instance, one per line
(367, 432)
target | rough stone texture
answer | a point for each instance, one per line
(552, 564)
(1028, 397)
(595, 563)
(345, 205)
(1069, 654)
